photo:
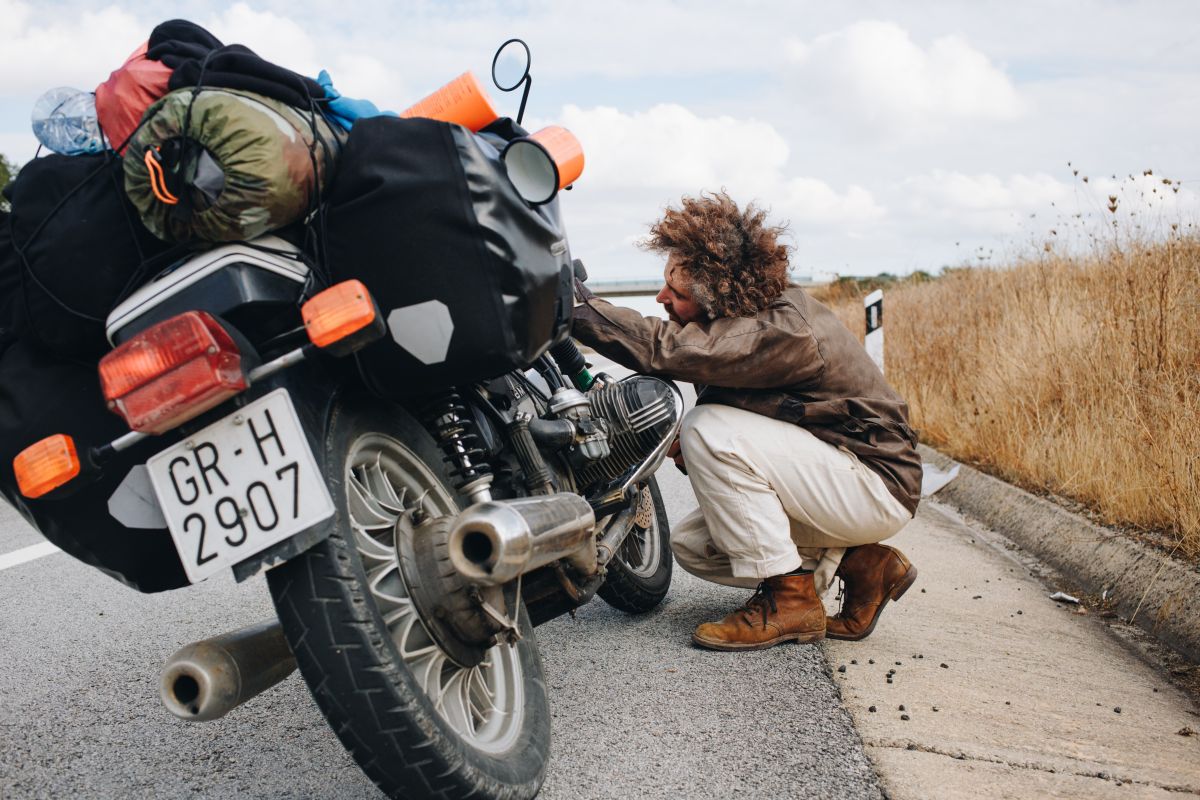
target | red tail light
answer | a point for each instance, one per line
(172, 372)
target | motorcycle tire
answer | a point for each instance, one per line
(418, 724)
(639, 576)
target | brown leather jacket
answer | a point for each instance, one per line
(792, 361)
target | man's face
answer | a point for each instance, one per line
(675, 298)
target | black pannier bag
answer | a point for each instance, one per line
(471, 279)
(41, 395)
(11, 323)
(77, 246)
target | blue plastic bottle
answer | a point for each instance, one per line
(64, 120)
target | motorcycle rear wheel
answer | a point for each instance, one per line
(418, 724)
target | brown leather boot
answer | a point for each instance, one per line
(785, 608)
(871, 575)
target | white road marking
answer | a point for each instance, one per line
(26, 554)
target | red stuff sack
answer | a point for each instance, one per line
(124, 97)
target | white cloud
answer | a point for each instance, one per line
(988, 203)
(78, 50)
(637, 163)
(873, 72)
(364, 76)
(986, 192)
(983, 202)
(670, 148)
(275, 38)
(809, 200)
(828, 132)
(282, 41)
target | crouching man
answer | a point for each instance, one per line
(799, 451)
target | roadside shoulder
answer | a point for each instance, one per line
(1143, 585)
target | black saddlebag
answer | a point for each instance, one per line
(41, 396)
(472, 280)
(76, 246)
(11, 308)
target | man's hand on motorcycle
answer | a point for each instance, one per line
(675, 452)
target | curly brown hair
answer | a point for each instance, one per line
(733, 260)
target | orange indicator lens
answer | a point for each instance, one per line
(46, 465)
(338, 312)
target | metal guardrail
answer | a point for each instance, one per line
(624, 288)
(634, 288)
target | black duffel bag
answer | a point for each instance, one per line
(41, 395)
(75, 248)
(11, 308)
(472, 280)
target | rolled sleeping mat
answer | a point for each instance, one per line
(246, 166)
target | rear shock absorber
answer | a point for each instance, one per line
(453, 427)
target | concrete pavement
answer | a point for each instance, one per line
(1007, 693)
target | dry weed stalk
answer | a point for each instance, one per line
(1078, 376)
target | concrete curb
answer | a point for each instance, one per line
(1162, 591)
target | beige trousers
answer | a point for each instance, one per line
(773, 498)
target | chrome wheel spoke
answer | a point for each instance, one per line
(484, 704)
(413, 640)
(482, 699)
(365, 509)
(398, 618)
(453, 702)
(377, 549)
(428, 671)
(381, 489)
(386, 583)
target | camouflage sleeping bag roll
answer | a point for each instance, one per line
(247, 165)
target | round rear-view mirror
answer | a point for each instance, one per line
(510, 66)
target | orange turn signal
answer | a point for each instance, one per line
(339, 312)
(46, 465)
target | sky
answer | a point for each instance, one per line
(887, 136)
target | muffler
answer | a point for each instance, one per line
(492, 543)
(206, 680)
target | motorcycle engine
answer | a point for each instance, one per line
(621, 425)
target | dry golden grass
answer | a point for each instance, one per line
(1075, 376)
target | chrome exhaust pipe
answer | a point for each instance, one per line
(206, 680)
(492, 543)
(614, 535)
(621, 526)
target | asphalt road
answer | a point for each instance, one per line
(637, 710)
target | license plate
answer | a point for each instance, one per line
(239, 486)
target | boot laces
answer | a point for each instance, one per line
(762, 599)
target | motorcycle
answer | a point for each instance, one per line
(410, 546)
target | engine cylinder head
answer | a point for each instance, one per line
(640, 412)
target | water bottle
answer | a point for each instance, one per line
(64, 120)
